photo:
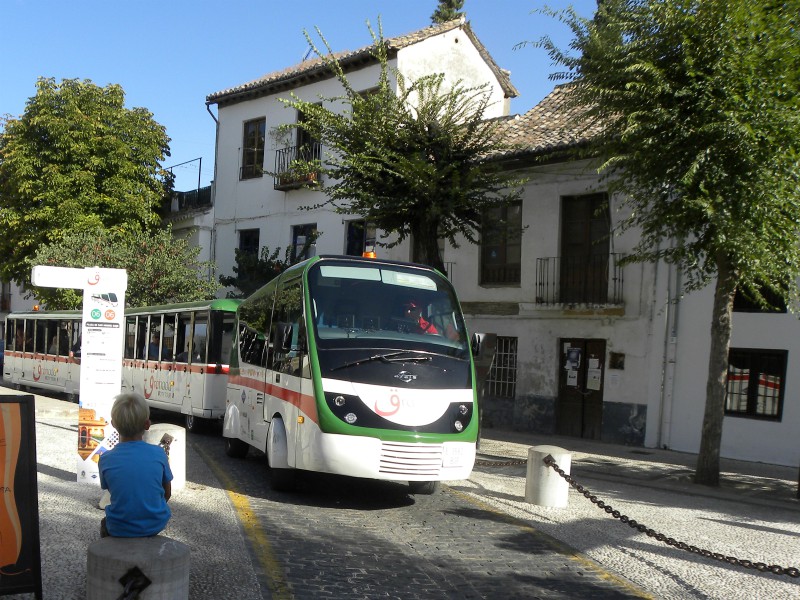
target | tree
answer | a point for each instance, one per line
(698, 108)
(253, 271)
(161, 269)
(447, 11)
(77, 159)
(410, 160)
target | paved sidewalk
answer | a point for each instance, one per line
(754, 515)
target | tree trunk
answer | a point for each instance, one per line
(426, 245)
(707, 470)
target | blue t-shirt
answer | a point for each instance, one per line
(134, 473)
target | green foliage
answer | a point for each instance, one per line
(699, 109)
(253, 271)
(161, 269)
(447, 11)
(77, 159)
(410, 159)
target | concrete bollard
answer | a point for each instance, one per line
(113, 562)
(176, 447)
(543, 486)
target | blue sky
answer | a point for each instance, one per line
(168, 55)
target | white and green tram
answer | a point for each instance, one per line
(357, 367)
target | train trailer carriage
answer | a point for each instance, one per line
(176, 355)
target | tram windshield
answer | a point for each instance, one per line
(383, 305)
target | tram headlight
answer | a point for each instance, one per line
(459, 426)
(339, 401)
(463, 409)
(351, 418)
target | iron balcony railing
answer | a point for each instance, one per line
(194, 198)
(592, 280)
(294, 166)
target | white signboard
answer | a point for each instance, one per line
(102, 338)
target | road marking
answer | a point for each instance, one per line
(279, 587)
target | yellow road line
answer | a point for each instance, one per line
(279, 587)
(557, 545)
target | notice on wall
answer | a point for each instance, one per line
(20, 553)
(593, 379)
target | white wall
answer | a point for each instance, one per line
(775, 442)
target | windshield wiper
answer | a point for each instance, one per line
(387, 358)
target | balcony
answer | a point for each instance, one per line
(585, 280)
(297, 166)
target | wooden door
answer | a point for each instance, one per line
(579, 408)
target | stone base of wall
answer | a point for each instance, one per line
(534, 414)
(622, 423)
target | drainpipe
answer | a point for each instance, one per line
(669, 353)
(214, 192)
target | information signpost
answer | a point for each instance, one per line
(102, 337)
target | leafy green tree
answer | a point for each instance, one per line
(447, 11)
(699, 114)
(253, 271)
(411, 159)
(161, 269)
(77, 159)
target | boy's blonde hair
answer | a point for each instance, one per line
(130, 414)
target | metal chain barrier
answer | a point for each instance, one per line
(758, 566)
(494, 463)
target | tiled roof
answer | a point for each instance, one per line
(552, 125)
(315, 68)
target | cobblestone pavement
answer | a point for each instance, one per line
(343, 538)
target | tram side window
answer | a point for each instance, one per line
(40, 339)
(168, 337)
(141, 337)
(10, 334)
(153, 339)
(130, 337)
(200, 337)
(287, 333)
(47, 338)
(226, 344)
(221, 337)
(184, 337)
(255, 313)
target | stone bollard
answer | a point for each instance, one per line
(114, 563)
(176, 446)
(543, 486)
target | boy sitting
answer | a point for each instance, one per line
(136, 474)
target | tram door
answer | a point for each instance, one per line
(579, 409)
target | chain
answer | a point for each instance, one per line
(758, 566)
(493, 463)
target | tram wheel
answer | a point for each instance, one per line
(424, 488)
(236, 448)
(194, 424)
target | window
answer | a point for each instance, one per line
(360, 238)
(766, 369)
(253, 148)
(501, 250)
(249, 241)
(741, 303)
(303, 241)
(502, 379)
(585, 238)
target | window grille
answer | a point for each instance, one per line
(502, 380)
